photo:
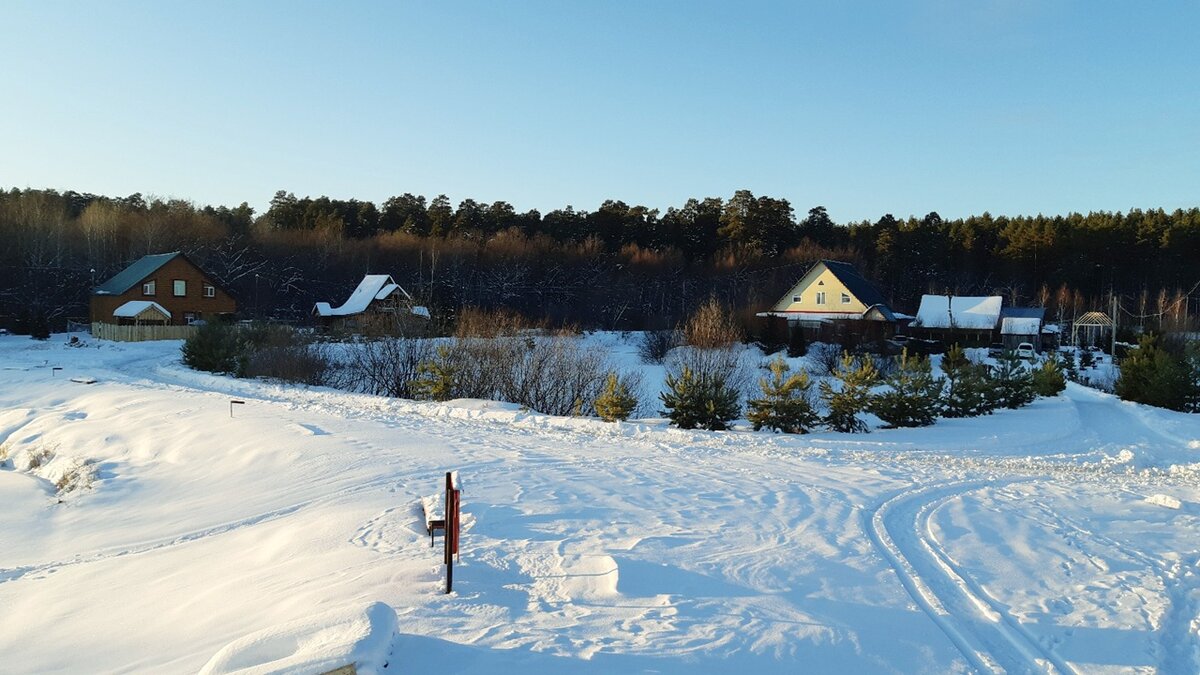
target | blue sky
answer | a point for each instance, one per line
(866, 108)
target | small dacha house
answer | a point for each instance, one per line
(832, 302)
(166, 289)
(378, 305)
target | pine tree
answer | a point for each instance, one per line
(1013, 382)
(438, 378)
(968, 391)
(1048, 380)
(39, 328)
(785, 404)
(216, 348)
(699, 401)
(846, 402)
(1152, 375)
(615, 402)
(914, 395)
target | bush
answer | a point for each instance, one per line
(656, 344)
(617, 401)
(705, 401)
(785, 404)
(283, 353)
(856, 376)
(1086, 360)
(387, 366)
(79, 476)
(968, 391)
(1013, 382)
(914, 395)
(436, 379)
(216, 348)
(1154, 376)
(39, 327)
(796, 347)
(712, 327)
(1048, 380)
(825, 358)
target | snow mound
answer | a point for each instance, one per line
(361, 636)
(1164, 500)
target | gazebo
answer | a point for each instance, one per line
(1093, 325)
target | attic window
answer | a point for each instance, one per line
(796, 299)
(845, 298)
(209, 291)
(820, 283)
(148, 288)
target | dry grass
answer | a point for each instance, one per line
(80, 476)
(38, 457)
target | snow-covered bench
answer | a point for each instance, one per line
(429, 505)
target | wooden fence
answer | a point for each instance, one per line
(108, 331)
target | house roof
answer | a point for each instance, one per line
(1019, 325)
(1038, 313)
(372, 287)
(133, 308)
(958, 311)
(130, 276)
(856, 283)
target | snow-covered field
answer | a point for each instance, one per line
(1061, 537)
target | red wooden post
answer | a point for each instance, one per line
(450, 538)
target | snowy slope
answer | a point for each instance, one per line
(1028, 540)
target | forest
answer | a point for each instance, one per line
(619, 266)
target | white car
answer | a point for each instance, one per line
(1026, 351)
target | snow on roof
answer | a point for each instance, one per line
(958, 311)
(372, 287)
(135, 307)
(1012, 325)
(421, 311)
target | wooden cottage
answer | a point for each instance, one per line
(162, 289)
(377, 305)
(832, 302)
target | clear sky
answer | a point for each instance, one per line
(958, 106)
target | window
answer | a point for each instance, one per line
(845, 298)
(821, 297)
(796, 299)
(209, 291)
(190, 318)
(148, 288)
(179, 288)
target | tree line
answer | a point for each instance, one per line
(619, 266)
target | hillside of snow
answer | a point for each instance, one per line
(288, 536)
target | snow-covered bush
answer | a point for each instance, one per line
(702, 400)
(618, 401)
(856, 378)
(786, 402)
(913, 397)
(77, 476)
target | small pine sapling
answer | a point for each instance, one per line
(845, 403)
(913, 398)
(968, 392)
(1048, 380)
(1013, 382)
(785, 404)
(693, 401)
(1086, 360)
(615, 402)
(437, 378)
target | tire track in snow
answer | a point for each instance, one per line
(989, 638)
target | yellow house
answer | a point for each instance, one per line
(830, 294)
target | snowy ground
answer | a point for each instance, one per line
(1061, 537)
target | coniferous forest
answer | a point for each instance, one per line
(618, 266)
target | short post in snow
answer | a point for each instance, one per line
(53, 369)
(232, 403)
(452, 527)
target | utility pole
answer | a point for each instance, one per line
(1114, 328)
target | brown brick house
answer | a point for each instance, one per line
(178, 289)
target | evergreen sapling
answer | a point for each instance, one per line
(785, 404)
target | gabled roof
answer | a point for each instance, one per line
(130, 276)
(1038, 313)
(856, 283)
(958, 311)
(372, 287)
(133, 308)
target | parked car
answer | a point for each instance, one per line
(1026, 351)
